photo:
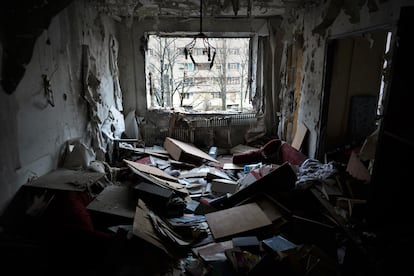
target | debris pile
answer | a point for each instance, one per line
(255, 211)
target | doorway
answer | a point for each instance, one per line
(353, 91)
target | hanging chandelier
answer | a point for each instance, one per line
(208, 48)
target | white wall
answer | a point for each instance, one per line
(34, 132)
(304, 21)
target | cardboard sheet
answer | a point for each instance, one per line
(150, 170)
(159, 181)
(223, 185)
(357, 169)
(114, 200)
(68, 180)
(181, 151)
(159, 153)
(300, 134)
(144, 229)
(213, 251)
(237, 220)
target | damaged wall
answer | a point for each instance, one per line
(132, 46)
(132, 62)
(317, 24)
(47, 108)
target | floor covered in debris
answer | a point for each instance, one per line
(174, 209)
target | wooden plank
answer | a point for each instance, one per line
(237, 220)
(300, 134)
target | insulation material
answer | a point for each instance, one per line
(113, 66)
(131, 126)
(114, 124)
(314, 170)
(106, 121)
(78, 155)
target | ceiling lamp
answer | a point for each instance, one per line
(208, 48)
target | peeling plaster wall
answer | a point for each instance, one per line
(275, 55)
(33, 130)
(304, 21)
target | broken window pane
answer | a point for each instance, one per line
(187, 73)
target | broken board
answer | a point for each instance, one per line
(159, 153)
(114, 200)
(273, 209)
(280, 179)
(150, 170)
(67, 180)
(357, 169)
(237, 220)
(161, 182)
(182, 151)
(300, 134)
(213, 251)
(223, 185)
(144, 229)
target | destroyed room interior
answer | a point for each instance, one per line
(206, 137)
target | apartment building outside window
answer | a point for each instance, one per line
(176, 81)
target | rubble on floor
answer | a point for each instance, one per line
(176, 210)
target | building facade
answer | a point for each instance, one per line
(198, 74)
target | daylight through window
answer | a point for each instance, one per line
(193, 81)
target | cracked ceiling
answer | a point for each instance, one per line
(191, 8)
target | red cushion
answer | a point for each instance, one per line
(290, 154)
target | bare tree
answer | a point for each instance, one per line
(221, 76)
(184, 85)
(208, 82)
(166, 53)
(243, 70)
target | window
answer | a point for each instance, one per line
(215, 95)
(201, 80)
(234, 51)
(177, 80)
(233, 80)
(220, 51)
(198, 51)
(191, 67)
(189, 81)
(233, 66)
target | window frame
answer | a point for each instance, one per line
(250, 88)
